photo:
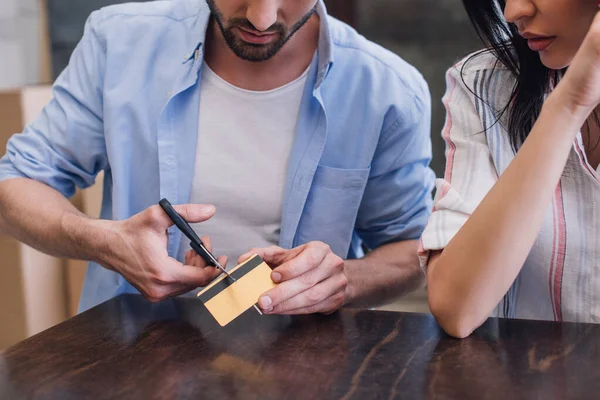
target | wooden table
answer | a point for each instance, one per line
(130, 349)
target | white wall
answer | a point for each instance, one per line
(20, 22)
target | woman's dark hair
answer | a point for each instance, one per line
(533, 79)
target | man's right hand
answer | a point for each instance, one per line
(137, 249)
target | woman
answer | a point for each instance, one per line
(516, 226)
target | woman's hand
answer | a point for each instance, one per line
(579, 90)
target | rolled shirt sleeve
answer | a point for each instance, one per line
(470, 170)
(65, 147)
(397, 200)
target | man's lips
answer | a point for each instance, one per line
(256, 37)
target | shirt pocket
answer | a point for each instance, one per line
(332, 207)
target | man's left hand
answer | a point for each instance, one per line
(311, 279)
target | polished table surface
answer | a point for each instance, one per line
(128, 348)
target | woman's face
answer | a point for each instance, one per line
(554, 28)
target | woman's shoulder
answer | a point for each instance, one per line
(482, 63)
(483, 77)
(480, 60)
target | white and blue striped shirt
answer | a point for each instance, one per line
(560, 279)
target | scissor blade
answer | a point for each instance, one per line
(219, 266)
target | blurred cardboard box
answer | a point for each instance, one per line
(31, 283)
(36, 291)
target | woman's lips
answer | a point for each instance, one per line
(540, 43)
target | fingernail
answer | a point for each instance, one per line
(269, 311)
(265, 302)
(209, 209)
(276, 277)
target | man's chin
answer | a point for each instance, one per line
(255, 53)
(253, 57)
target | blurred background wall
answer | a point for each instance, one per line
(432, 35)
(22, 32)
(66, 21)
(36, 41)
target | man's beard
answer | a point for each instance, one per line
(255, 52)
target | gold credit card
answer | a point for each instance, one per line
(226, 299)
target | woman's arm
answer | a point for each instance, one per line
(476, 269)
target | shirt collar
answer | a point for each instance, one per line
(198, 29)
(325, 46)
(325, 50)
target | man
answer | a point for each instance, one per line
(312, 142)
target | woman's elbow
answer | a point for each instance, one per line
(455, 311)
(455, 321)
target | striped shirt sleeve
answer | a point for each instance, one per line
(470, 171)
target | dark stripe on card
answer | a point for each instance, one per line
(226, 282)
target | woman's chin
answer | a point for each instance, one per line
(555, 61)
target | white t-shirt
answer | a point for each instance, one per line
(242, 152)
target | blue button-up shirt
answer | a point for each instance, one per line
(128, 104)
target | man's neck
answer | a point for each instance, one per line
(286, 66)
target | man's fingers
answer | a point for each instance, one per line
(223, 260)
(155, 216)
(310, 256)
(189, 257)
(198, 262)
(176, 278)
(194, 213)
(189, 275)
(199, 277)
(329, 306)
(291, 288)
(313, 296)
(246, 256)
(207, 243)
(273, 255)
(158, 291)
(162, 293)
(193, 259)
